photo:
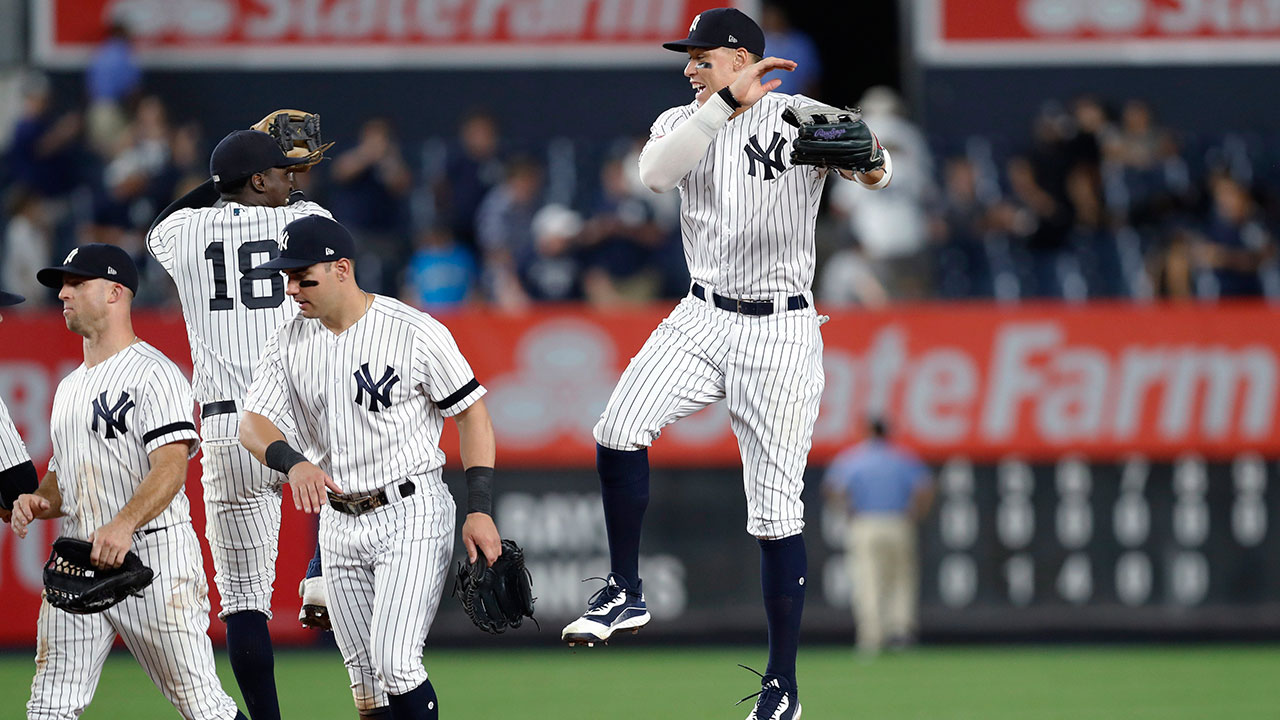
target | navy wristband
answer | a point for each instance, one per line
(480, 490)
(281, 458)
(729, 99)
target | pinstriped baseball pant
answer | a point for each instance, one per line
(385, 573)
(242, 510)
(768, 370)
(167, 630)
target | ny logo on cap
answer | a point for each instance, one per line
(696, 18)
(71, 256)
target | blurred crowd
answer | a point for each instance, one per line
(1106, 201)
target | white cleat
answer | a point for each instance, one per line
(614, 608)
(315, 606)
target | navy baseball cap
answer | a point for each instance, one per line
(95, 260)
(722, 27)
(245, 152)
(8, 298)
(310, 240)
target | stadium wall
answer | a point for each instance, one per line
(1107, 470)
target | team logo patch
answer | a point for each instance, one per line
(112, 416)
(379, 392)
(770, 158)
(71, 256)
(696, 18)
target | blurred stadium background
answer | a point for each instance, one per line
(1065, 302)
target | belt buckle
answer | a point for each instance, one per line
(738, 306)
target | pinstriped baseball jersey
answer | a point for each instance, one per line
(747, 215)
(230, 308)
(368, 404)
(106, 420)
(12, 450)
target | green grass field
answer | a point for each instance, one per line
(620, 683)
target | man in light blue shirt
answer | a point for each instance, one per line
(886, 491)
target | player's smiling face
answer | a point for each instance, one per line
(276, 185)
(710, 69)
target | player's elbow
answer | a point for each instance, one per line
(655, 181)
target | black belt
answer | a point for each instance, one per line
(361, 504)
(748, 307)
(221, 407)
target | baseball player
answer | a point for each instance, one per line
(231, 309)
(367, 382)
(19, 474)
(122, 432)
(747, 332)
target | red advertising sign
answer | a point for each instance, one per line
(1102, 382)
(1033, 32)
(252, 34)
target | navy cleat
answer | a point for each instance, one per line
(615, 607)
(777, 700)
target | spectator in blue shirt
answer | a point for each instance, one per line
(886, 491)
(441, 272)
(783, 40)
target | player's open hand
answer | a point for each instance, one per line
(308, 483)
(110, 543)
(479, 531)
(749, 87)
(25, 509)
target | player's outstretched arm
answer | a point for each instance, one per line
(478, 450)
(265, 442)
(43, 504)
(163, 482)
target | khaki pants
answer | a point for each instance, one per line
(881, 551)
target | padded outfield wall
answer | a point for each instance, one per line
(1104, 471)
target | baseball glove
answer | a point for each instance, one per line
(833, 138)
(298, 133)
(73, 584)
(496, 596)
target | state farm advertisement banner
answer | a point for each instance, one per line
(308, 34)
(979, 380)
(1030, 32)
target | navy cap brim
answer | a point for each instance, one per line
(51, 277)
(683, 45)
(8, 298)
(288, 263)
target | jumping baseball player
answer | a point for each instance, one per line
(367, 382)
(231, 309)
(747, 333)
(122, 432)
(19, 474)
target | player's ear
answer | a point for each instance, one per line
(258, 181)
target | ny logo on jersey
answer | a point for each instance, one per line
(770, 159)
(380, 391)
(112, 416)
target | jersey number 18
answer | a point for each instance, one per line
(216, 254)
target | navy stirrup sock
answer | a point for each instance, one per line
(253, 663)
(313, 567)
(624, 488)
(419, 703)
(783, 566)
